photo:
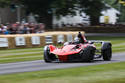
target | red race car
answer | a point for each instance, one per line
(78, 50)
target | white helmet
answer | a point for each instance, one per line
(76, 40)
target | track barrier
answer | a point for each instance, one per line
(35, 40)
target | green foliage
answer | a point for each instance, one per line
(92, 8)
(112, 3)
(37, 6)
(4, 3)
(45, 8)
(64, 7)
(118, 6)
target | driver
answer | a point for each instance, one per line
(80, 38)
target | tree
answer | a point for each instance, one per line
(64, 7)
(40, 7)
(92, 8)
(121, 7)
(45, 8)
(4, 3)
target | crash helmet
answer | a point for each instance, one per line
(76, 40)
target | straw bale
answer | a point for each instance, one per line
(12, 43)
(42, 34)
(42, 40)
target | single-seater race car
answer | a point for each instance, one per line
(78, 50)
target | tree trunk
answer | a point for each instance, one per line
(94, 20)
(47, 20)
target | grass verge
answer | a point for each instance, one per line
(107, 73)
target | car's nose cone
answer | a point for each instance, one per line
(66, 50)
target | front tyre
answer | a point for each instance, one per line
(107, 51)
(48, 57)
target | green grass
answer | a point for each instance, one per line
(29, 54)
(107, 73)
(20, 59)
(20, 51)
(15, 55)
(21, 54)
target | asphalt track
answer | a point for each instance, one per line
(38, 65)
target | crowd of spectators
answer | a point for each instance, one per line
(19, 28)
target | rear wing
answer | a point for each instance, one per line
(97, 41)
(104, 44)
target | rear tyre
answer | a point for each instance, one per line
(88, 54)
(107, 51)
(48, 57)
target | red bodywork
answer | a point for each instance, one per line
(63, 52)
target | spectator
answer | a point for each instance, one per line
(18, 28)
(26, 29)
(7, 32)
(41, 28)
(0, 30)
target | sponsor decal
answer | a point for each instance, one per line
(35, 40)
(3, 42)
(20, 41)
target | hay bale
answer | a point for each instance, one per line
(54, 39)
(42, 34)
(12, 42)
(28, 42)
(42, 41)
(65, 38)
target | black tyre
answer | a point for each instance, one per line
(88, 54)
(107, 51)
(48, 57)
